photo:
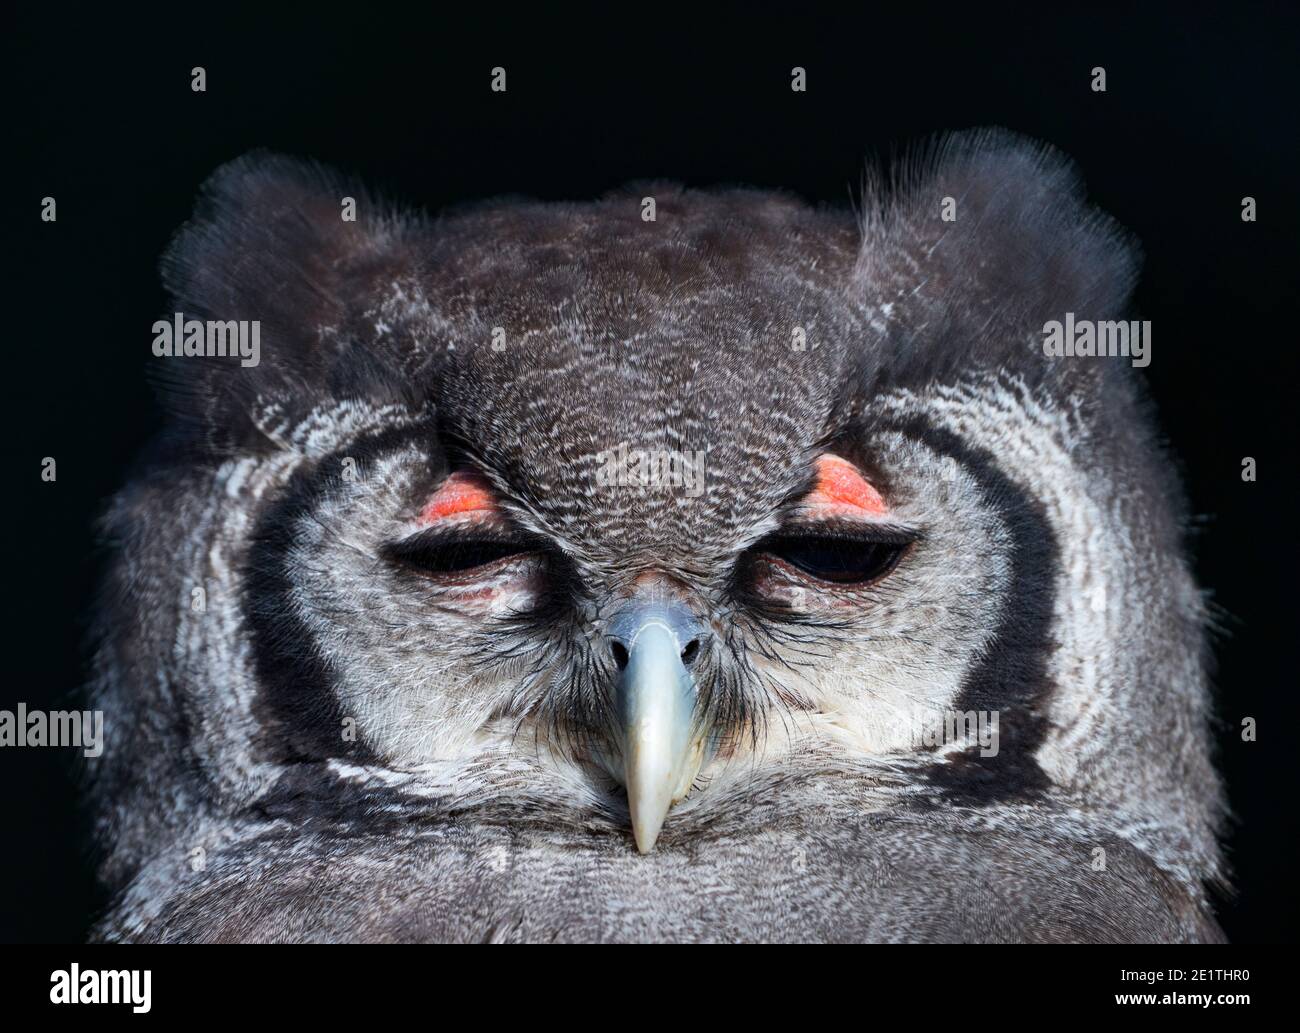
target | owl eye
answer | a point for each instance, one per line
(839, 560)
(439, 554)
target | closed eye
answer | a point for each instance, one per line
(841, 559)
(439, 553)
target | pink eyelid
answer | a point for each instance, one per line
(460, 493)
(841, 488)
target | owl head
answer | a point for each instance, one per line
(625, 514)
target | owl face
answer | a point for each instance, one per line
(624, 524)
(472, 603)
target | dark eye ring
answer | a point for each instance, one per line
(835, 559)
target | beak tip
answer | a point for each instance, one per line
(646, 834)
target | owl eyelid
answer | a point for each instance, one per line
(847, 556)
(839, 570)
(462, 493)
(452, 552)
(855, 532)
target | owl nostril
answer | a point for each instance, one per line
(620, 653)
(691, 651)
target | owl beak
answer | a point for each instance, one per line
(662, 745)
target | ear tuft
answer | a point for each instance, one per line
(985, 236)
(268, 242)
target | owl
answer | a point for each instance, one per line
(687, 565)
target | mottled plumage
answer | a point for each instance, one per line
(518, 343)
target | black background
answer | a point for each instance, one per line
(1199, 112)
